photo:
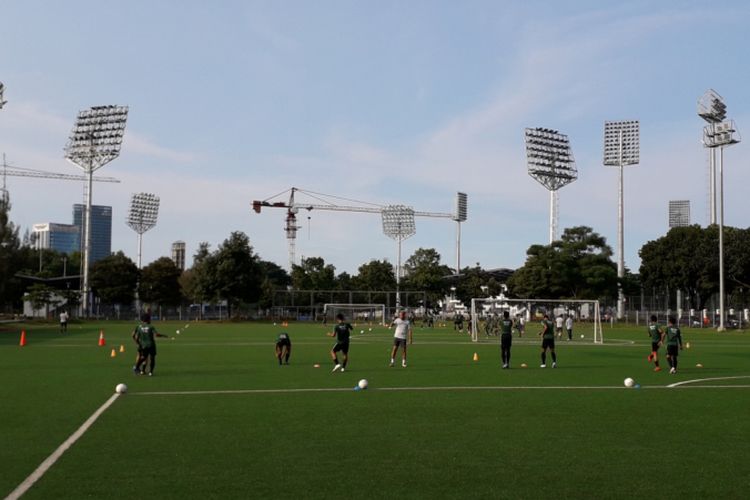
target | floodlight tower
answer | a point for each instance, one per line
(398, 224)
(459, 217)
(2, 90)
(719, 133)
(621, 148)
(95, 140)
(679, 213)
(712, 109)
(551, 163)
(142, 215)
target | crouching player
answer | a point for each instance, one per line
(283, 347)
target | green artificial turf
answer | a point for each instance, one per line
(445, 427)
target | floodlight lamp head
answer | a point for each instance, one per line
(96, 137)
(549, 158)
(143, 212)
(461, 207)
(621, 143)
(711, 107)
(398, 222)
(717, 135)
(2, 90)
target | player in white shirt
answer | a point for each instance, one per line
(569, 326)
(401, 335)
(559, 326)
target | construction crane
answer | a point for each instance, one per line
(332, 203)
(15, 171)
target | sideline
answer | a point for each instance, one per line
(50, 461)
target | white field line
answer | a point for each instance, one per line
(712, 379)
(436, 388)
(50, 460)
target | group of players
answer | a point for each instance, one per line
(144, 336)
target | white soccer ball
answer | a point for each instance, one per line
(121, 389)
(178, 332)
(362, 384)
(361, 331)
(629, 382)
(583, 336)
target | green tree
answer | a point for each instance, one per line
(114, 279)
(238, 275)
(375, 275)
(313, 274)
(425, 272)
(578, 266)
(10, 286)
(41, 297)
(159, 283)
(274, 277)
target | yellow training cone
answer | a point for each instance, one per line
(113, 354)
(122, 348)
(476, 357)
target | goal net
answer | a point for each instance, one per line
(356, 313)
(584, 314)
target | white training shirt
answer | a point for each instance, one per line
(569, 323)
(402, 327)
(559, 322)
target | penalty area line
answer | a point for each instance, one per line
(50, 460)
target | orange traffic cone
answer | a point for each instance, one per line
(101, 338)
(476, 357)
(23, 338)
(122, 348)
(113, 354)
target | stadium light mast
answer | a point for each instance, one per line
(460, 216)
(621, 148)
(719, 133)
(95, 140)
(3, 102)
(142, 215)
(712, 109)
(550, 161)
(398, 224)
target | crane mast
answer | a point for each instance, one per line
(293, 207)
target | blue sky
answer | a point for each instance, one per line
(385, 102)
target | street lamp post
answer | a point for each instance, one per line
(398, 224)
(621, 148)
(95, 140)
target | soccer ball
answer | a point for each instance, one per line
(178, 332)
(361, 331)
(629, 382)
(121, 389)
(362, 384)
(583, 336)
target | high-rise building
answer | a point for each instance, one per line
(101, 229)
(178, 254)
(64, 238)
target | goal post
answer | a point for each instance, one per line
(368, 313)
(586, 313)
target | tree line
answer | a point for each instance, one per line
(577, 266)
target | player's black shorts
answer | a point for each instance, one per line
(548, 343)
(397, 342)
(506, 340)
(284, 343)
(654, 346)
(673, 350)
(341, 346)
(147, 351)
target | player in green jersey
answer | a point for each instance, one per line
(342, 332)
(145, 336)
(656, 333)
(283, 347)
(506, 338)
(674, 344)
(548, 341)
